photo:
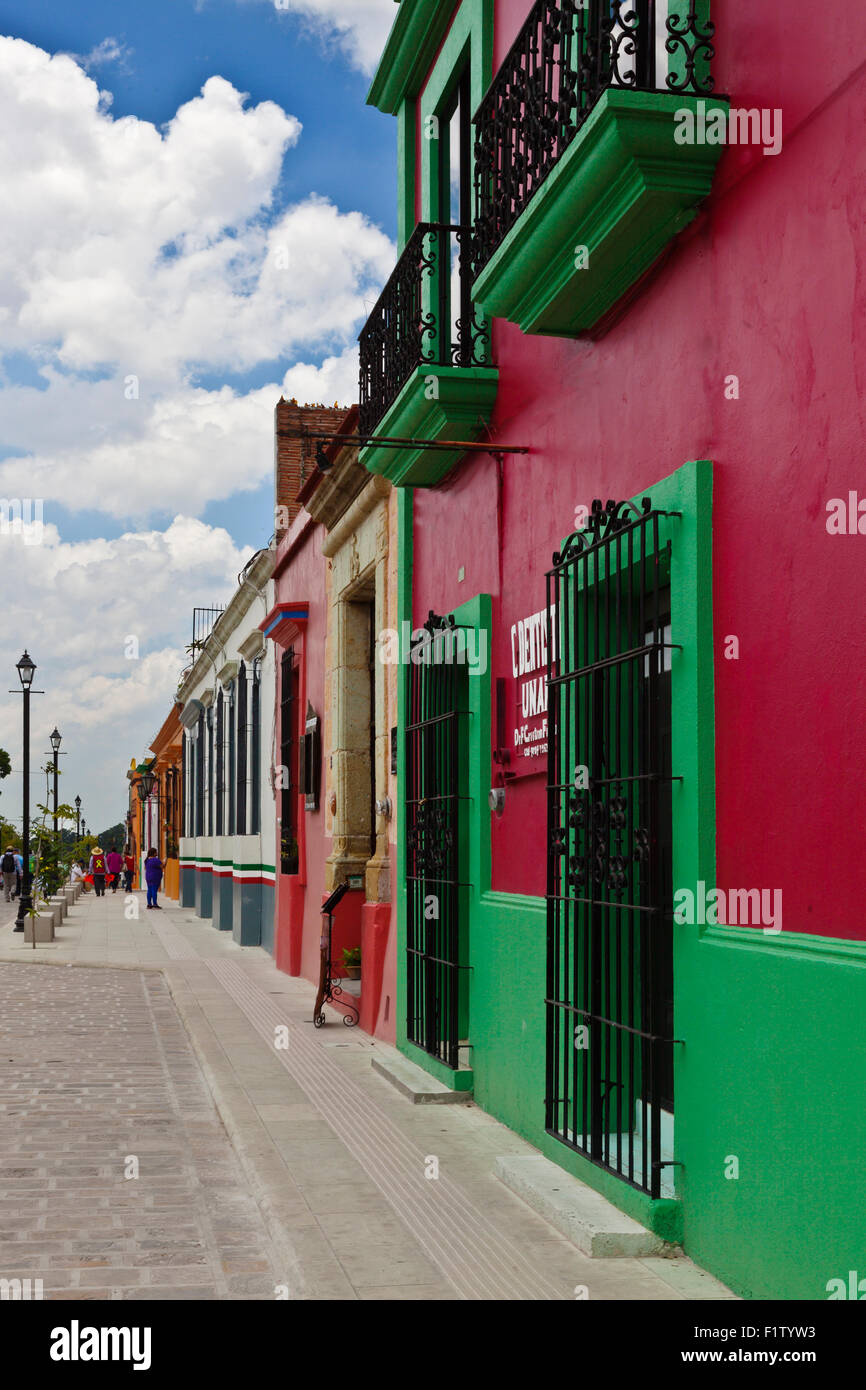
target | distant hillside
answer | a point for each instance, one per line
(115, 835)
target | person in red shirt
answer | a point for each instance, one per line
(128, 870)
(115, 864)
(98, 868)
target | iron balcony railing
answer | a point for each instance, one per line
(204, 620)
(423, 317)
(565, 56)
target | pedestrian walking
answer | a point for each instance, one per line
(19, 871)
(153, 877)
(10, 873)
(115, 865)
(128, 870)
(98, 868)
(86, 878)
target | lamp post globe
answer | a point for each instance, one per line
(26, 669)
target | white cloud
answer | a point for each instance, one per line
(335, 382)
(108, 50)
(359, 26)
(75, 606)
(163, 255)
(180, 450)
(132, 252)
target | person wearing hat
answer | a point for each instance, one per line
(98, 868)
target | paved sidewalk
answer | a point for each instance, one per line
(265, 1170)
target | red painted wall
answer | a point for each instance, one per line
(770, 285)
(300, 570)
(298, 921)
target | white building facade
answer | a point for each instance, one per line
(227, 870)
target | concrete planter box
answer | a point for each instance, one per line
(52, 910)
(43, 922)
(59, 901)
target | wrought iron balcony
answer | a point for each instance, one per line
(565, 56)
(423, 317)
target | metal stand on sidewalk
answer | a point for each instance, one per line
(329, 986)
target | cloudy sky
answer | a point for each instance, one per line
(198, 214)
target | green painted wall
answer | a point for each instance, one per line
(774, 1075)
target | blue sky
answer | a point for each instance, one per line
(165, 157)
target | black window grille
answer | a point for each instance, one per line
(210, 770)
(609, 1000)
(230, 720)
(199, 775)
(256, 752)
(242, 752)
(436, 1013)
(563, 59)
(310, 761)
(288, 764)
(184, 773)
(220, 763)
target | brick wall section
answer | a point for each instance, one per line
(294, 458)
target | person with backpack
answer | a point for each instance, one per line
(115, 864)
(98, 868)
(9, 870)
(153, 877)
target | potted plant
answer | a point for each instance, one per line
(352, 962)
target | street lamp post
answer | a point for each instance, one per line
(56, 741)
(26, 670)
(78, 818)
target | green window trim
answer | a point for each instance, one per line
(437, 403)
(409, 50)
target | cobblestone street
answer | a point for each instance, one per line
(147, 1046)
(118, 1179)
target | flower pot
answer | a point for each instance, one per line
(353, 971)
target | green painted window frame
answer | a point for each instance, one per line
(469, 42)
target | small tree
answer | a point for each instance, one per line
(52, 858)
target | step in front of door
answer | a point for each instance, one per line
(413, 1082)
(583, 1216)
